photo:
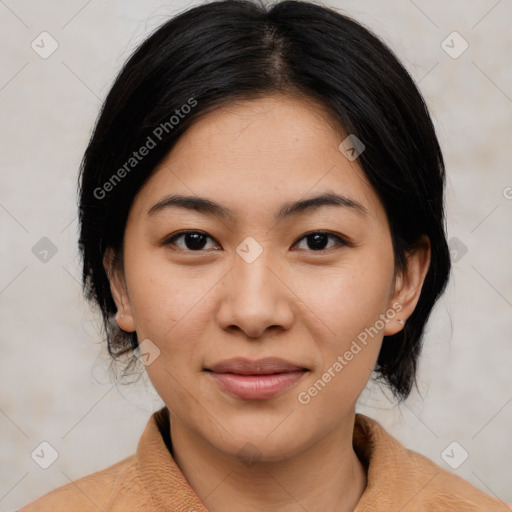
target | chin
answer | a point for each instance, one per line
(263, 441)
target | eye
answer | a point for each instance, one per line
(318, 240)
(191, 240)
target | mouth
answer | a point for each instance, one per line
(256, 380)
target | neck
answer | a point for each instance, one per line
(327, 476)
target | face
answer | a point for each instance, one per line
(261, 321)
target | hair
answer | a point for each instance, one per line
(227, 51)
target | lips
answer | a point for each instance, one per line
(256, 380)
(267, 366)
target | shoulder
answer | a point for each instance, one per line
(97, 491)
(445, 491)
(402, 479)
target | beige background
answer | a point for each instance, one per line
(54, 379)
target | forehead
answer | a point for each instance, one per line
(254, 155)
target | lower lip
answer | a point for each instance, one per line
(256, 387)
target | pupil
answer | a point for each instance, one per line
(319, 241)
(195, 240)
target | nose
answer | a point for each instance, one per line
(255, 298)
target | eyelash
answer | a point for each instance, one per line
(341, 241)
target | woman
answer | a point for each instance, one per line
(262, 226)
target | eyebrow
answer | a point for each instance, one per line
(209, 207)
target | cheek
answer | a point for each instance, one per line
(348, 349)
(349, 301)
(161, 294)
(349, 298)
(171, 306)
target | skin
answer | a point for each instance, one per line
(305, 306)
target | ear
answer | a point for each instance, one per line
(408, 285)
(124, 316)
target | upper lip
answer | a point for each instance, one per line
(266, 366)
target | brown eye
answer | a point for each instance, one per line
(319, 240)
(189, 240)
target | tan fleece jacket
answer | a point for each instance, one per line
(399, 480)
